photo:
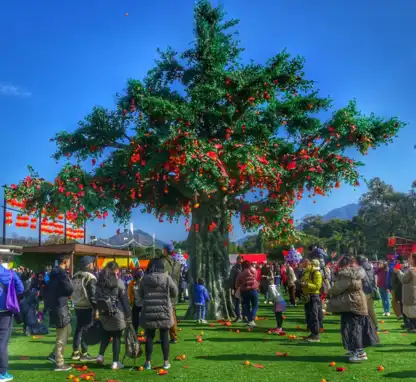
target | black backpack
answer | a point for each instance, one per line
(106, 303)
(133, 346)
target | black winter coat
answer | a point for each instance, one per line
(59, 290)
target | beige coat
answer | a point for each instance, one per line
(408, 281)
(347, 294)
(291, 276)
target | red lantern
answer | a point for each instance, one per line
(33, 226)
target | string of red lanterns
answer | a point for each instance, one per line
(48, 226)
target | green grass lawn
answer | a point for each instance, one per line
(221, 355)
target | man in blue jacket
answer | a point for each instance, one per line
(6, 318)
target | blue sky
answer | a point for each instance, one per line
(60, 58)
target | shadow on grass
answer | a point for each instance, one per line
(269, 358)
(402, 374)
(408, 350)
(34, 358)
(44, 366)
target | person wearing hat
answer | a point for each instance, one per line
(311, 284)
(84, 284)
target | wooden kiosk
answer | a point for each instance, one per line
(41, 255)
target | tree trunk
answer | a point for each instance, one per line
(209, 260)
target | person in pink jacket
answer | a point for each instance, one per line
(248, 286)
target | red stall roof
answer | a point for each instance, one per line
(255, 257)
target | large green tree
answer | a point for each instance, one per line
(208, 137)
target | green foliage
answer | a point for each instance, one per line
(201, 129)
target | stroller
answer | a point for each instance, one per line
(31, 317)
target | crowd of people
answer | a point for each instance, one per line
(115, 300)
(348, 287)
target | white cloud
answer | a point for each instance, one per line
(12, 90)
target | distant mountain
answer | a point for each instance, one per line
(343, 213)
(244, 239)
(139, 236)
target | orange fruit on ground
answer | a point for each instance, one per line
(380, 368)
(84, 368)
(70, 376)
(87, 378)
(199, 340)
(141, 368)
(332, 364)
(76, 379)
(382, 322)
(323, 380)
(183, 356)
(237, 331)
(246, 363)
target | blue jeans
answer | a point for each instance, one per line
(200, 312)
(250, 304)
(6, 324)
(385, 299)
(237, 307)
(277, 280)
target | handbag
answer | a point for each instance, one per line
(12, 302)
(93, 335)
(338, 304)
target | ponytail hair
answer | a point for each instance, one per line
(107, 277)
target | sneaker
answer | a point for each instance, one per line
(173, 342)
(363, 356)
(387, 314)
(204, 322)
(100, 360)
(198, 321)
(237, 320)
(357, 358)
(252, 324)
(312, 338)
(147, 366)
(63, 367)
(76, 356)
(270, 303)
(166, 365)
(51, 358)
(117, 366)
(6, 377)
(87, 358)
